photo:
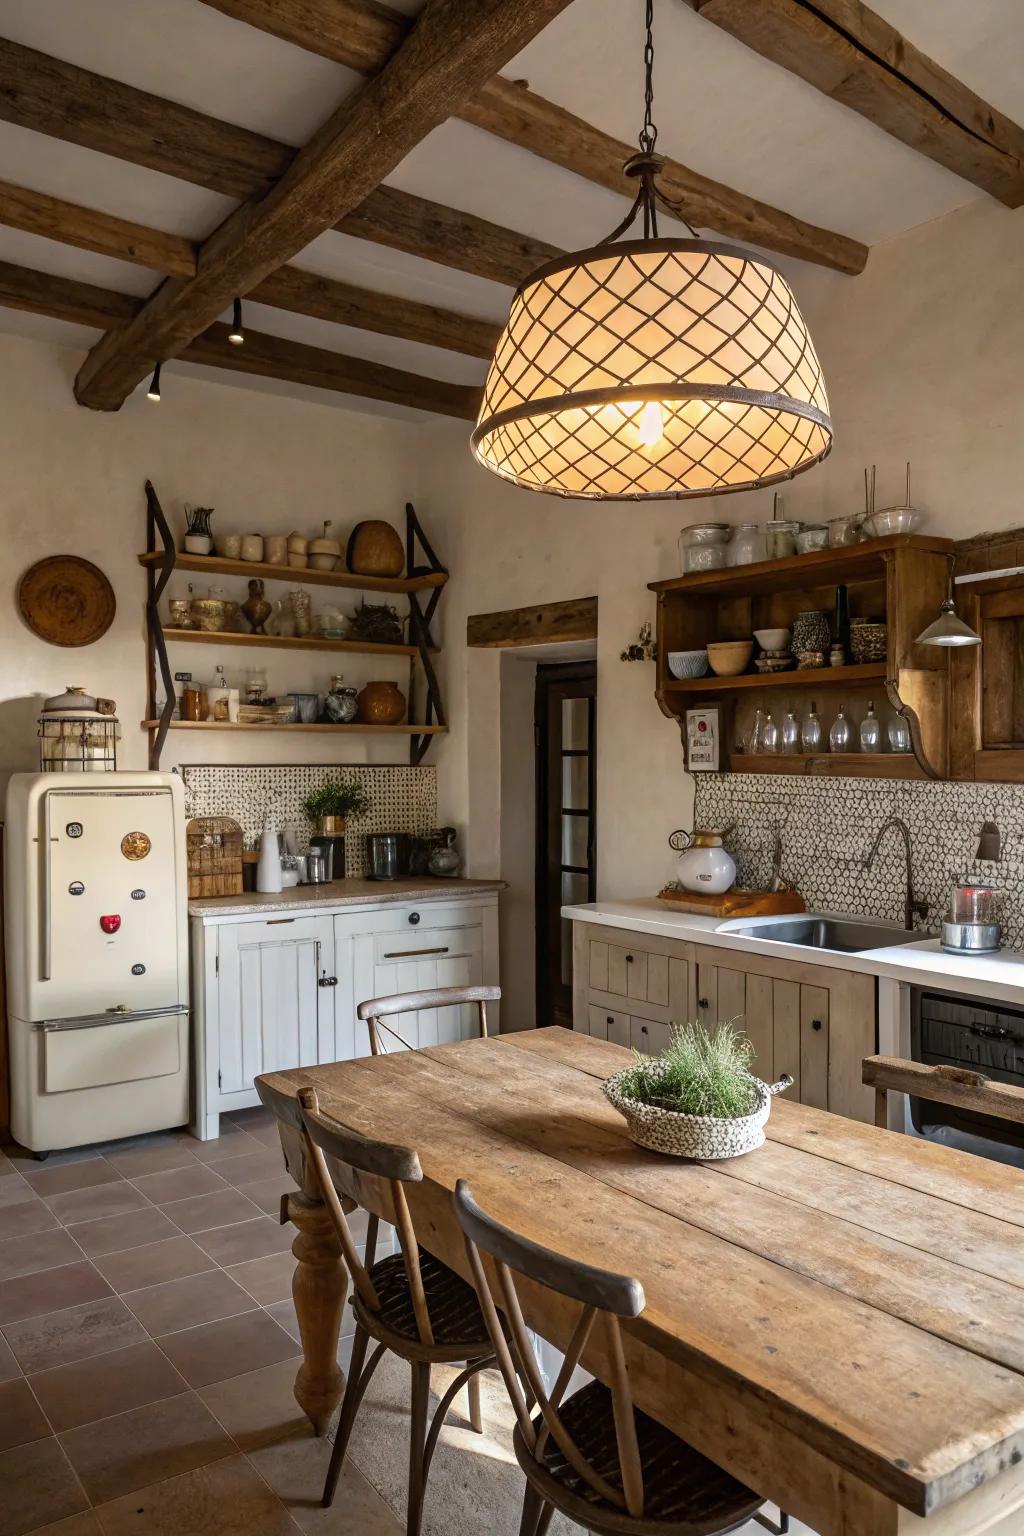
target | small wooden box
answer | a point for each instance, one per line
(214, 845)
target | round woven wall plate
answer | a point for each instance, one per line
(66, 601)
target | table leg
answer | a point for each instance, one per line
(318, 1288)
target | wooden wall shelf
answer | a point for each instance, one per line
(286, 642)
(901, 579)
(296, 725)
(214, 565)
(808, 677)
(868, 765)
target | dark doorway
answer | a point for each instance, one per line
(565, 715)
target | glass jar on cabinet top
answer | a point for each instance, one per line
(702, 547)
(746, 547)
(76, 735)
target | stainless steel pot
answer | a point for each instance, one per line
(388, 854)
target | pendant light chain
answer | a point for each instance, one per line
(649, 132)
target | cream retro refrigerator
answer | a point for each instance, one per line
(97, 956)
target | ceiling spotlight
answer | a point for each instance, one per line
(236, 335)
(153, 392)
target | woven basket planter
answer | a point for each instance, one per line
(694, 1136)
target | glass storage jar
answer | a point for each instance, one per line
(702, 547)
(746, 547)
(780, 538)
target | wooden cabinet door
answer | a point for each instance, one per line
(707, 994)
(786, 1033)
(271, 1008)
(814, 1046)
(648, 1036)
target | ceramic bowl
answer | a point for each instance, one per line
(684, 664)
(877, 525)
(728, 658)
(772, 639)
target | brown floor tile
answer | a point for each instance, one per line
(27, 1162)
(180, 1183)
(253, 1168)
(268, 1134)
(208, 1211)
(105, 1385)
(93, 1204)
(258, 1408)
(81, 1175)
(111, 1234)
(28, 1215)
(39, 1250)
(250, 1119)
(163, 1153)
(268, 1279)
(295, 1470)
(38, 1488)
(33, 1295)
(9, 1367)
(85, 1524)
(14, 1190)
(245, 1240)
(283, 1313)
(135, 1268)
(186, 1303)
(232, 1142)
(60, 1338)
(228, 1497)
(136, 1449)
(228, 1348)
(267, 1194)
(21, 1418)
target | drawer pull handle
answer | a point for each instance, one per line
(815, 1023)
(328, 981)
(275, 922)
(410, 954)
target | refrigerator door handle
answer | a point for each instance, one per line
(111, 1016)
(47, 934)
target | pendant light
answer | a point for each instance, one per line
(653, 367)
(153, 392)
(236, 335)
(948, 629)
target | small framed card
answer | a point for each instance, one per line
(703, 732)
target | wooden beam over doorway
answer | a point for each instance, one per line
(543, 624)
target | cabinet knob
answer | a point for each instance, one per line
(643, 1029)
(702, 1002)
(610, 1019)
(629, 959)
(815, 1023)
(414, 918)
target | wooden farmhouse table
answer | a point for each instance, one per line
(837, 1318)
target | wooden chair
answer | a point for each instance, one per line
(957, 1086)
(593, 1456)
(379, 1008)
(409, 1302)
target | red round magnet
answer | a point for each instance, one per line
(110, 924)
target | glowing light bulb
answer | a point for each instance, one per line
(652, 424)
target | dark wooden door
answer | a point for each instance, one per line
(565, 717)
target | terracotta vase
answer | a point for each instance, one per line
(256, 608)
(382, 703)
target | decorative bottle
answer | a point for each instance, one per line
(790, 733)
(810, 731)
(268, 870)
(839, 733)
(898, 732)
(870, 731)
(771, 734)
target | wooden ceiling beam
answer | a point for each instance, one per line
(361, 34)
(63, 298)
(853, 56)
(66, 102)
(291, 288)
(454, 47)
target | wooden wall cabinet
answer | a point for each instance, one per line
(902, 579)
(812, 1021)
(987, 684)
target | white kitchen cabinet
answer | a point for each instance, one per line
(281, 990)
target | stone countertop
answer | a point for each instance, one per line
(343, 893)
(998, 977)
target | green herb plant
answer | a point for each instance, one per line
(344, 797)
(700, 1072)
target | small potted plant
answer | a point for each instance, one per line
(328, 806)
(697, 1099)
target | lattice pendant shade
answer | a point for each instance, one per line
(653, 368)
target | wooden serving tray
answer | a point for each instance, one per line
(735, 903)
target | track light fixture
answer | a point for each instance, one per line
(153, 392)
(236, 335)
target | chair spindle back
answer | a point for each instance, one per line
(379, 1008)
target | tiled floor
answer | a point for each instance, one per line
(148, 1347)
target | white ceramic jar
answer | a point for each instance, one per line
(707, 866)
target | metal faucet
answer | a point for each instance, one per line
(911, 907)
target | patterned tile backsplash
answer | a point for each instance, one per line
(400, 800)
(828, 826)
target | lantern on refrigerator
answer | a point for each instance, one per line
(78, 734)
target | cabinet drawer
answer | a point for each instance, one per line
(627, 972)
(649, 1036)
(410, 918)
(607, 1024)
(436, 944)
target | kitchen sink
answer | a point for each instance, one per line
(846, 935)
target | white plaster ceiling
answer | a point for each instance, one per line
(720, 108)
